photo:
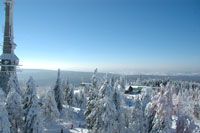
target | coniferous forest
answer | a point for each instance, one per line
(105, 105)
(147, 52)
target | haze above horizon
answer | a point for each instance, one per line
(112, 35)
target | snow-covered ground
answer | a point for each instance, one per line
(65, 124)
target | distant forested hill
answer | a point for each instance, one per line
(48, 77)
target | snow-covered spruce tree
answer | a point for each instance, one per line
(14, 108)
(151, 108)
(49, 107)
(90, 114)
(125, 121)
(58, 91)
(94, 78)
(70, 97)
(82, 100)
(112, 81)
(118, 101)
(66, 88)
(187, 97)
(163, 118)
(122, 83)
(2, 96)
(138, 81)
(32, 109)
(68, 92)
(106, 113)
(4, 122)
(13, 83)
(197, 111)
(86, 89)
(137, 122)
(185, 123)
(145, 99)
(196, 101)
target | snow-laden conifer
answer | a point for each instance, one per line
(32, 109)
(90, 114)
(49, 107)
(58, 92)
(137, 122)
(66, 89)
(184, 122)
(70, 97)
(2, 96)
(122, 83)
(106, 112)
(112, 81)
(81, 101)
(4, 122)
(14, 108)
(94, 78)
(163, 118)
(13, 83)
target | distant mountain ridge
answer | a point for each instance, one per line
(48, 77)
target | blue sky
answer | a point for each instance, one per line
(112, 35)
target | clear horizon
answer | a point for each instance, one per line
(120, 35)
